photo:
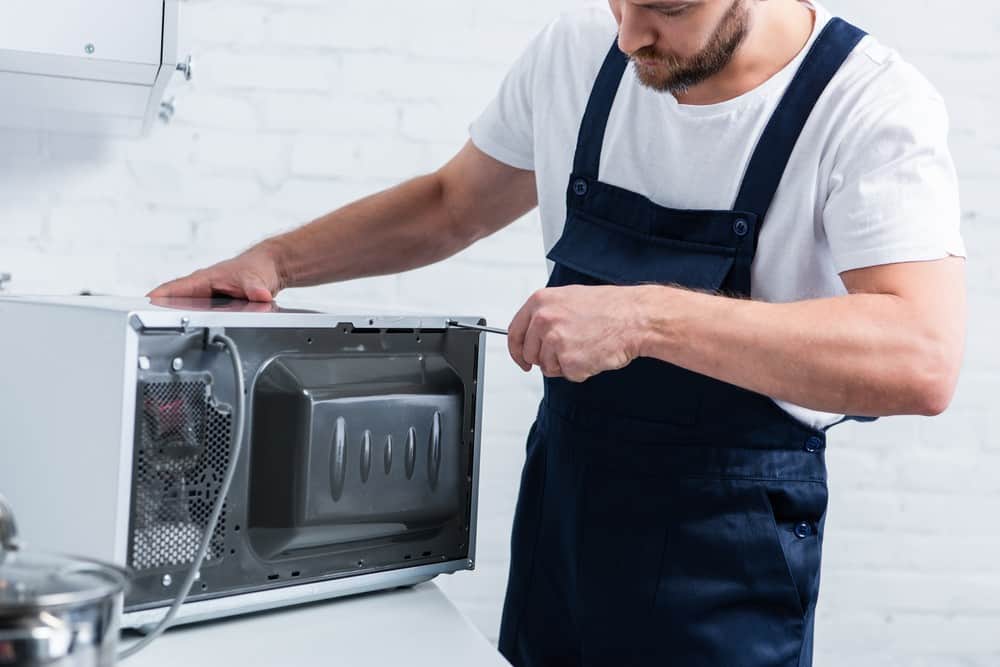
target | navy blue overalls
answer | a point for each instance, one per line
(664, 517)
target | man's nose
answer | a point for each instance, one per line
(635, 31)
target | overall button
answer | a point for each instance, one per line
(741, 227)
(802, 530)
(814, 444)
(580, 187)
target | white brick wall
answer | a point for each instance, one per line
(299, 106)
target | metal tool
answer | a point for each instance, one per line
(477, 327)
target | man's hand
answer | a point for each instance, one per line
(577, 331)
(417, 223)
(254, 276)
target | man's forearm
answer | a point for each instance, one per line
(402, 228)
(862, 354)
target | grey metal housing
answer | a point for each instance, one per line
(360, 465)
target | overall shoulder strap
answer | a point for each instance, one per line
(767, 165)
(587, 162)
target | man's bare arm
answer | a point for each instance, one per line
(893, 345)
(414, 224)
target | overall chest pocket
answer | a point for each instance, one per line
(592, 251)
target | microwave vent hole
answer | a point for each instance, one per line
(182, 450)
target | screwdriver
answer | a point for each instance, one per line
(477, 327)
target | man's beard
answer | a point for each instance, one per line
(675, 75)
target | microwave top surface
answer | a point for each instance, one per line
(222, 311)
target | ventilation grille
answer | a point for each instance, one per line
(181, 455)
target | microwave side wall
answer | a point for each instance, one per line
(67, 405)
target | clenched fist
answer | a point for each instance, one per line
(578, 331)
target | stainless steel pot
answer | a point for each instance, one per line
(56, 611)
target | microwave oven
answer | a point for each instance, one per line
(359, 464)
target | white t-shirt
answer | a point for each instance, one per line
(871, 180)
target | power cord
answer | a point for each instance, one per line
(240, 421)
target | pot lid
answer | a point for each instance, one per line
(32, 581)
(29, 581)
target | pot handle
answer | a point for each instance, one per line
(8, 529)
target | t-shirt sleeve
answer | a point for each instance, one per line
(893, 188)
(505, 129)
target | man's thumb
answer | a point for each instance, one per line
(256, 289)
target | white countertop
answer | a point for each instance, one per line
(413, 626)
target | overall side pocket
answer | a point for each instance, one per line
(795, 511)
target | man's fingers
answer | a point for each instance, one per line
(192, 286)
(533, 342)
(549, 362)
(160, 292)
(515, 337)
(228, 288)
(200, 286)
(572, 368)
(167, 289)
(180, 288)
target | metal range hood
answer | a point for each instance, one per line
(95, 67)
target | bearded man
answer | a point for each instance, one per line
(752, 222)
